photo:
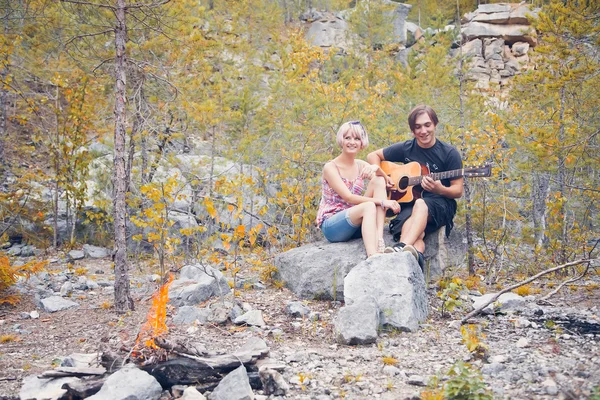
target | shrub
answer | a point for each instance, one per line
(9, 274)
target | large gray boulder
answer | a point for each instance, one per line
(128, 383)
(235, 386)
(396, 283)
(196, 284)
(317, 270)
(358, 323)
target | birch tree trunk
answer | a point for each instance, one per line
(123, 301)
(539, 194)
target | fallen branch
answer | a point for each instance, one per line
(516, 285)
(566, 282)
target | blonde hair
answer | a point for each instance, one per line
(357, 129)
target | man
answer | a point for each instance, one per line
(437, 206)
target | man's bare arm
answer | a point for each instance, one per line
(375, 157)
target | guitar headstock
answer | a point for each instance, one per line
(478, 172)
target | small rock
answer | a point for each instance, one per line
(416, 380)
(499, 359)
(191, 393)
(76, 255)
(66, 289)
(272, 382)
(522, 343)
(253, 318)
(391, 370)
(24, 315)
(551, 387)
(296, 309)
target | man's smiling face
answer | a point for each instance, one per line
(424, 131)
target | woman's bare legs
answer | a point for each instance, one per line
(370, 215)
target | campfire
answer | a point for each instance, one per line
(170, 362)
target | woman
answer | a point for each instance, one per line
(348, 209)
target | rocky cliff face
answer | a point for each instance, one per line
(497, 38)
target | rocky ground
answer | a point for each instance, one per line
(538, 351)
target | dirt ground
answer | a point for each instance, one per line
(316, 367)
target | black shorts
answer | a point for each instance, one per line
(441, 213)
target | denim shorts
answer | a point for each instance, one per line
(339, 228)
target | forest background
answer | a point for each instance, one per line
(237, 79)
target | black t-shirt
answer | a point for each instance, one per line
(439, 158)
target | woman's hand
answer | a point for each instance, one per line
(369, 171)
(391, 204)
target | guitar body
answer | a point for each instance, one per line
(407, 178)
(400, 174)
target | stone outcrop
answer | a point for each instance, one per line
(497, 38)
(331, 30)
(328, 32)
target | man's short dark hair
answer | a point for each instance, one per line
(418, 110)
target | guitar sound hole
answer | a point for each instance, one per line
(403, 183)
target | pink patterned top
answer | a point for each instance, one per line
(331, 202)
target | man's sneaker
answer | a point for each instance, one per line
(421, 261)
(411, 249)
(397, 248)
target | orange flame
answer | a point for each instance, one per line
(155, 325)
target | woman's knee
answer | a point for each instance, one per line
(369, 209)
(378, 181)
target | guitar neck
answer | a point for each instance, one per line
(455, 173)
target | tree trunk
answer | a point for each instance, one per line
(3, 106)
(123, 301)
(562, 180)
(467, 186)
(539, 194)
(56, 172)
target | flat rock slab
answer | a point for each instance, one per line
(57, 303)
(47, 389)
(95, 251)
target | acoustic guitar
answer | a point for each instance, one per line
(407, 178)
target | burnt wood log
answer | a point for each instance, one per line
(207, 371)
(62, 372)
(82, 389)
(193, 349)
(184, 371)
(111, 361)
